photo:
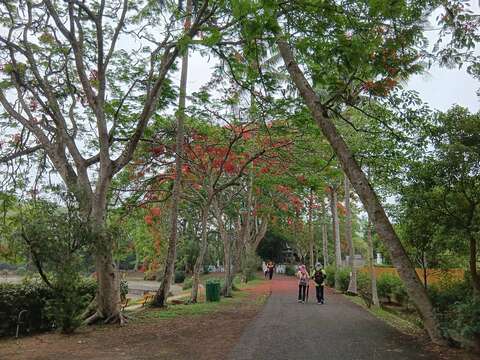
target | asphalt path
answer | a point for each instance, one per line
(337, 330)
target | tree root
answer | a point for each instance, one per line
(117, 318)
(90, 310)
(92, 319)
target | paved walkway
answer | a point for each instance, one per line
(338, 330)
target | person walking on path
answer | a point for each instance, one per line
(270, 268)
(303, 279)
(319, 276)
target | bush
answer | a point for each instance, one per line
(466, 320)
(38, 299)
(446, 293)
(344, 277)
(389, 286)
(179, 276)
(206, 269)
(364, 283)
(457, 310)
(290, 270)
(330, 270)
(249, 266)
(187, 283)
(400, 294)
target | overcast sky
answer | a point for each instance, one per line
(439, 87)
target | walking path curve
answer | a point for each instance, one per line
(337, 330)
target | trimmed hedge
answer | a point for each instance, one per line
(33, 296)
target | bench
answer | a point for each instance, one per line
(124, 304)
(147, 297)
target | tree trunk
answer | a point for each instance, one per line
(161, 295)
(352, 285)
(473, 266)
(366, 193)
(425, 271)
(310, 230)
(373, 276)
(197, 269)
(227, 263)
(324, 236)
(227, 250)
(336, 236)
(108, 294)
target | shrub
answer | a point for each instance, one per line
(290, 270)
(206, 269)
(343, 274)
(179, 276)
(250, 263)
(330, 281)
(389, 285)
(38, 299)
(446, 293)
(67, 303)
(466, 320)
(344, 278)
(187, 283)
(364, 282)
(400, 294)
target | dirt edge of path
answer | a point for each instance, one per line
(210, 335)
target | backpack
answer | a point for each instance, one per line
(303, 279)
(319, 277)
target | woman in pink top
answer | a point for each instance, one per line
(303, 278)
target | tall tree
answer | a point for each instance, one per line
(336, 234)
(311, 235)
(373, 276)
(352, 286)
(324, 234)
(357, 62)
(60, 80)
(163, 290)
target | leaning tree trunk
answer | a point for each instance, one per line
(373, 276)
(352, 285)
(336, 236)
(161, 295)
(197, 269)
(366, 193)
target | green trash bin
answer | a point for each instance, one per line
(212, 290)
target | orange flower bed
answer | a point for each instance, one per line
(433, 275)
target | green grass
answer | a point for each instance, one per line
(202, 308)
(237, 283)
(405, 326)
(173, 311)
